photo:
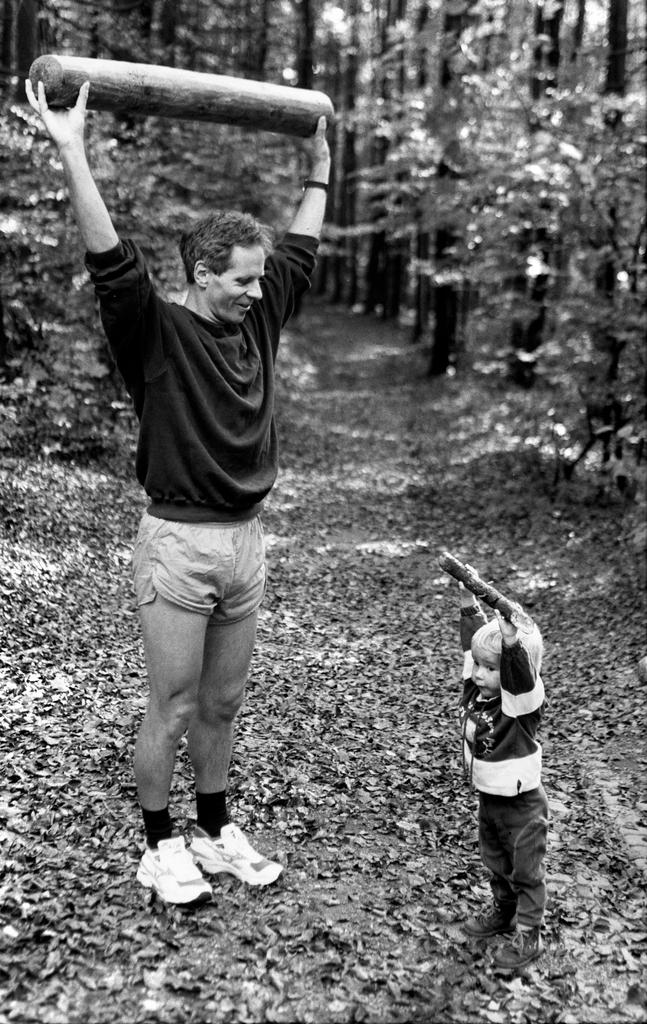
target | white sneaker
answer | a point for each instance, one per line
(232, 853)
(172, 873)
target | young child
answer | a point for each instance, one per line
(500, 711)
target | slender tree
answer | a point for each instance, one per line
(168, 31)
(578, 31)
(345, 277)
(7, 28)
(422, 252)
(19, 44)
(305, 44)
(447, 291)
(536, 241)
(385, 260)
(27, 36)
(331, 59)
(607, 270)
(258, 23)
(548, 20)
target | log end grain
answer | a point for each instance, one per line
(60, 92)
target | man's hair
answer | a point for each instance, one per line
(488, 638)
(213, 238)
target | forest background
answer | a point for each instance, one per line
(487, 191)
(475, 331)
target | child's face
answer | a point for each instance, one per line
(486, 673)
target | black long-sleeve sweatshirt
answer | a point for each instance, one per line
(203, 392)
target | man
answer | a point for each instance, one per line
(201, 377)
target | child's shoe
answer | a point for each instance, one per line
(499, 921)
(526, 945)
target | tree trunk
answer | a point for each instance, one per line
(345, 272)
(606, 273)
(7, 27)
(261, 40)
(254, 22)
(578, 31)
(383, 271)
(445, 308)
(546, 53)
(375, 273)
(527, 330)
(617, 56)
(349, 155)
(447, 295)
(4, 340)
(423, 285)
(20, 41)
(168, 31)
(331, 64)
(27, 36)
(422, 241)
(393, 276)
(133, 22)
(305, 45)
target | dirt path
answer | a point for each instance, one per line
(347, 760)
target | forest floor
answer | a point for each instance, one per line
(347, 762)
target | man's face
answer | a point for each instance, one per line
(228, 296)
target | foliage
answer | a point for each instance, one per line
(551, 188)
(531, 189)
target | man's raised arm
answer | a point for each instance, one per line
(66, 129)
(308, 220)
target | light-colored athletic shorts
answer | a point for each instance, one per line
(216, 569)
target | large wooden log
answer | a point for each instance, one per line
(493, 597)
(172, 92)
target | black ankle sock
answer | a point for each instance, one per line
(158, 825)
(212, 812)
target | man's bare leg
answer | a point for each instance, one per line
(174, 641)
(228, 650)
(228, 653)
(174, 646)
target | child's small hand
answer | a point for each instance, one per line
(508, 629)
(467, 598)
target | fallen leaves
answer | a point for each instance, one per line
(347, 763)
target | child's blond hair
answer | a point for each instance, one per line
(488, 638)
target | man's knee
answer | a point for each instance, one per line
(172, 715)
(223, 708)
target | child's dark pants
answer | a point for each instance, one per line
(512, 838)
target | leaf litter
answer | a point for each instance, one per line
(346, 762)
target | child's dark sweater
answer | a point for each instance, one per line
(203, 391)
(500, 751)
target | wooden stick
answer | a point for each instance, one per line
(173, 92)
(492, 597)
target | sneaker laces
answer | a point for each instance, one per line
(174, 858)
(235, 841)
